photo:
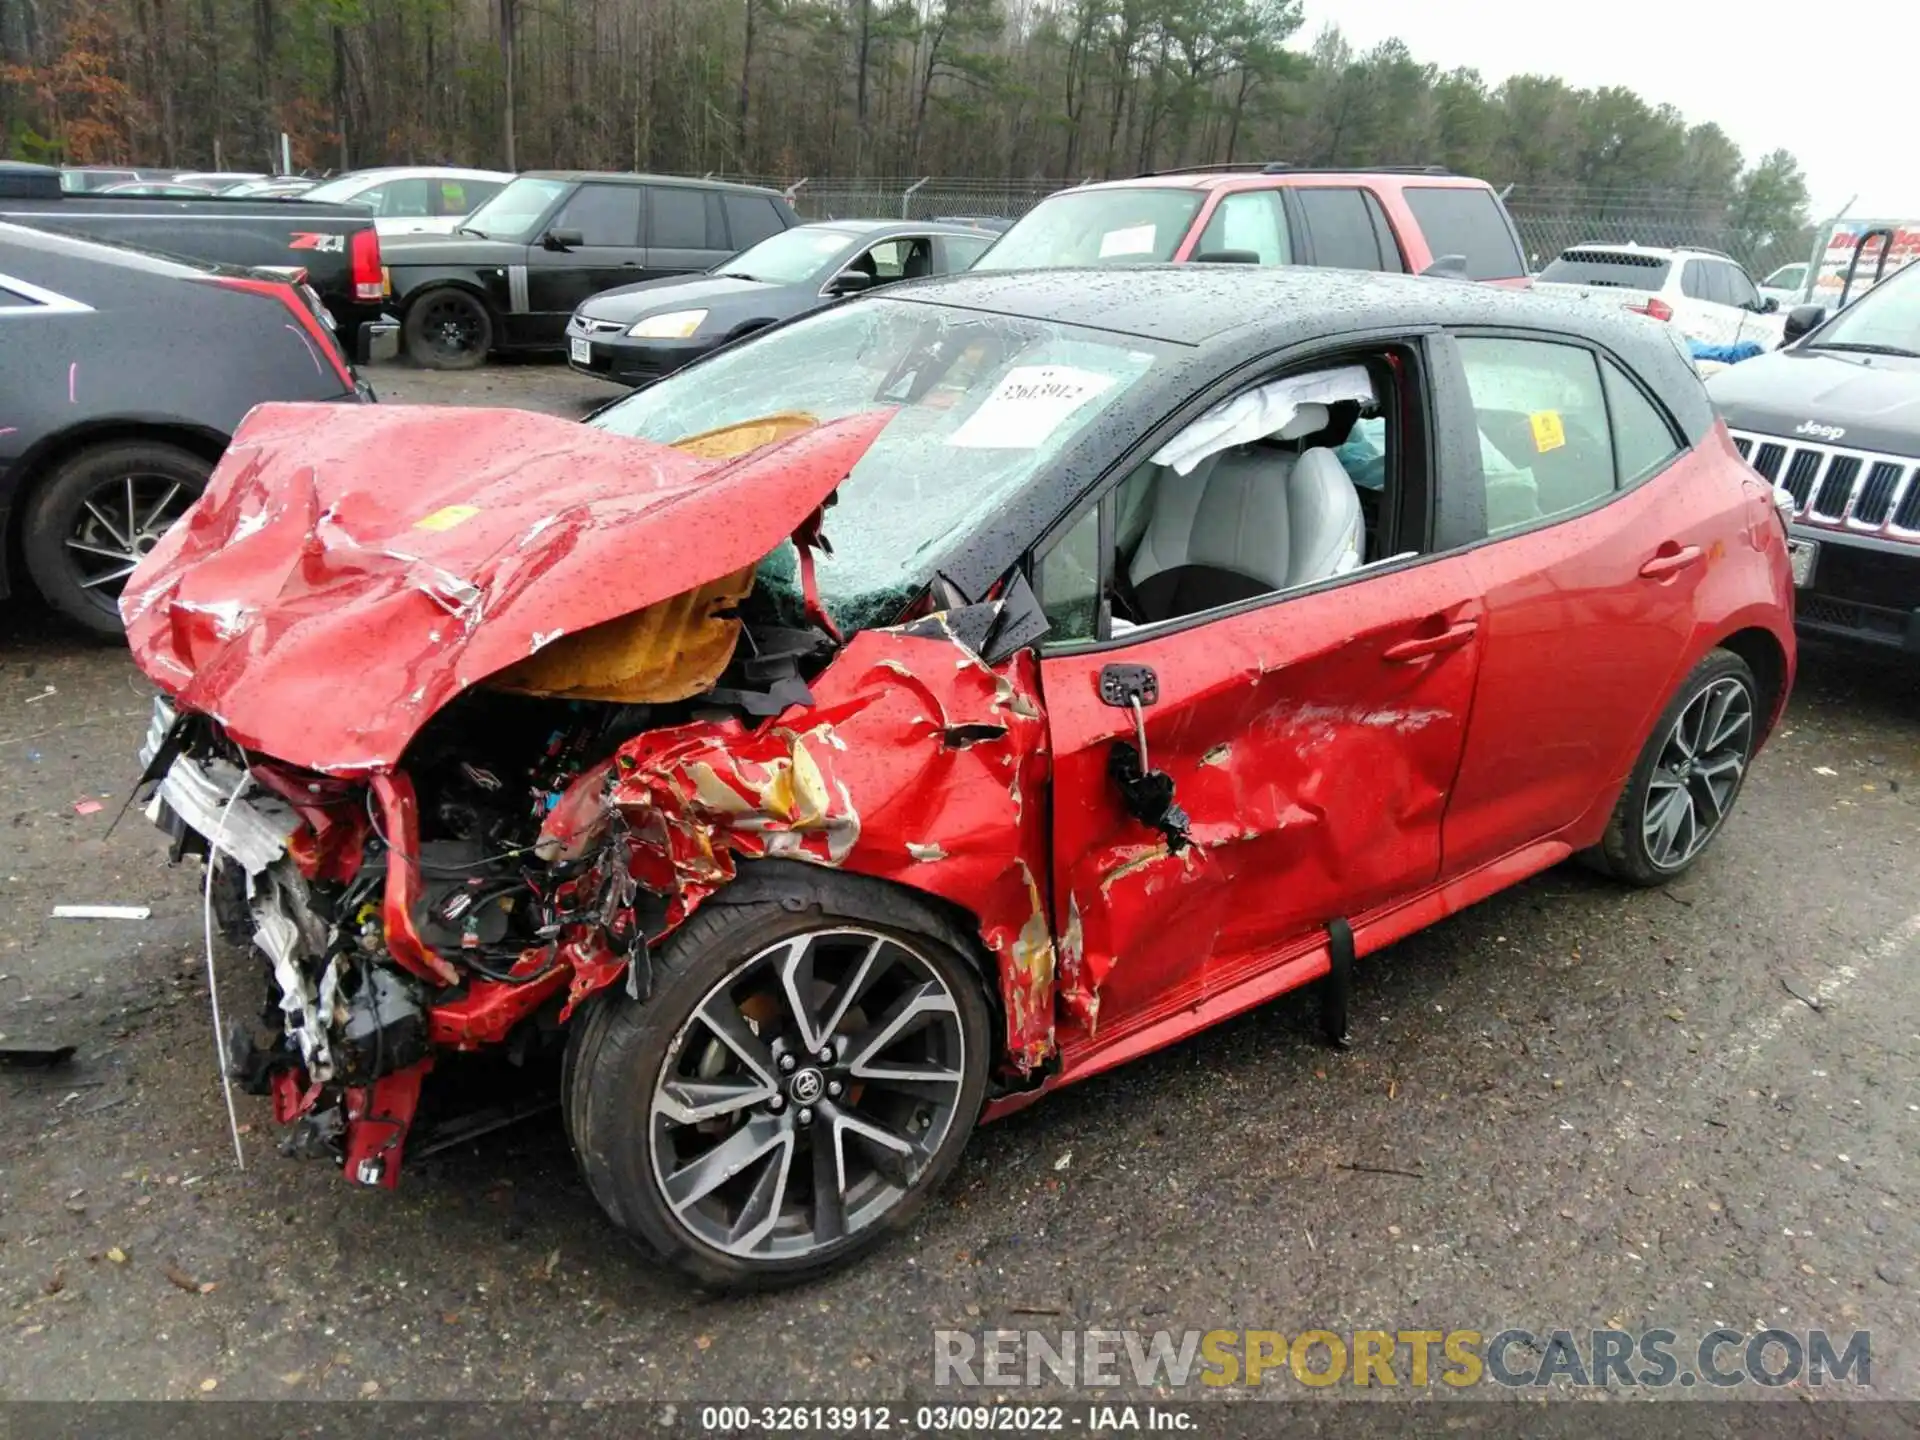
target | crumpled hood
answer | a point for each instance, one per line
(351, 569)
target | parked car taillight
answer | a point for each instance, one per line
(369, 279)
(1655, 306)
(310, 329)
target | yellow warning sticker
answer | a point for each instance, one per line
(454, 515)
(1548, 432)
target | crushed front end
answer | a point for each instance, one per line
(558, 752)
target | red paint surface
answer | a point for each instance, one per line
(869, 778)
(400, 825)
(1314, 769)
(302, 605)
(489, 1009)
(1582, 652)
(378, 1118)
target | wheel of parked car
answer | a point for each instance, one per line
(97, 515)
(802, 1079)
(1688, 776)
(448, 329)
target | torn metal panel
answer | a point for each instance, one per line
(1313, 772)
(349, 571)
(913, 763)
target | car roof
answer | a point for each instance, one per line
(1261, 178)
(902, 227)
(410, 172)
(1657, 252)
(634, 177)
(1195, 304)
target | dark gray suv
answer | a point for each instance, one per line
(1834, 419)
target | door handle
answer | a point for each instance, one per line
(1671, 559)
(1452, 638)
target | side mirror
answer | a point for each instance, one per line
(850, 282)
(561, 239)
(1765, 305)
(1802, 320)
(1227, 257)
(1448, 267)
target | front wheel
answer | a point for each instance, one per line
(1688, 775)
(448, 329)
(799, 1084)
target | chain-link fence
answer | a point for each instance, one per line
(1551, 218)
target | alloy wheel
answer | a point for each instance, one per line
(118, 525)
(1698, 773)
(451, 327)
(806, 1094)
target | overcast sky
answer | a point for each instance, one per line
(1770, 75)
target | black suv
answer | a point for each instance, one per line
(1834, 418)
(513, 272)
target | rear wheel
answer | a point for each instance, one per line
(1688, 776)
(97, 517)
(448, 329)
(797, 1086)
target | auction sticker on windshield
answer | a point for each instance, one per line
(1027, 406)
(1135, 240)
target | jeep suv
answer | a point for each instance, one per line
(1833, 419)
(1397, 220)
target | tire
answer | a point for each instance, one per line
(754, 1217)
(448, 329)
(97, 514)
(1692, 768)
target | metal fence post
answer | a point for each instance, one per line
(906, 197)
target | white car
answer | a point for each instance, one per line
(414, 199)
(1704, 294)
(1784, 285)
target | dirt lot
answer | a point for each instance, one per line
(1571, 1106)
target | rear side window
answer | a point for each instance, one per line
(397, 198)
(677, 219)
(1342, 229)
(1740, 286)
(750, 219)
(1544, 442)
(1618, 269)
(1251, 222)
(463, 197)
(603, 214)
(1467, 222)
(1700, 280)
(963, 250)
(1643, 441)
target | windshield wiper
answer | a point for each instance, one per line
(1862, 348)
(733, 275)
(469, 230)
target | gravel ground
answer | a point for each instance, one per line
(1571, 1106)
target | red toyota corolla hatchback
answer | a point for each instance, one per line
(937, 700)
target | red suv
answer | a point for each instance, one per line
(1399, 220)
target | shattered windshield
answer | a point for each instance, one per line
(981, 402)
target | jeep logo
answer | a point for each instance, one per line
(1817, 431)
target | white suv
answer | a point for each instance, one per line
(1703, 293)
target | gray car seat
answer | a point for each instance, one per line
(1246, 522)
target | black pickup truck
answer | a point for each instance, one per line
(336, 245)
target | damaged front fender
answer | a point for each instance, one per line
(917, 762)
